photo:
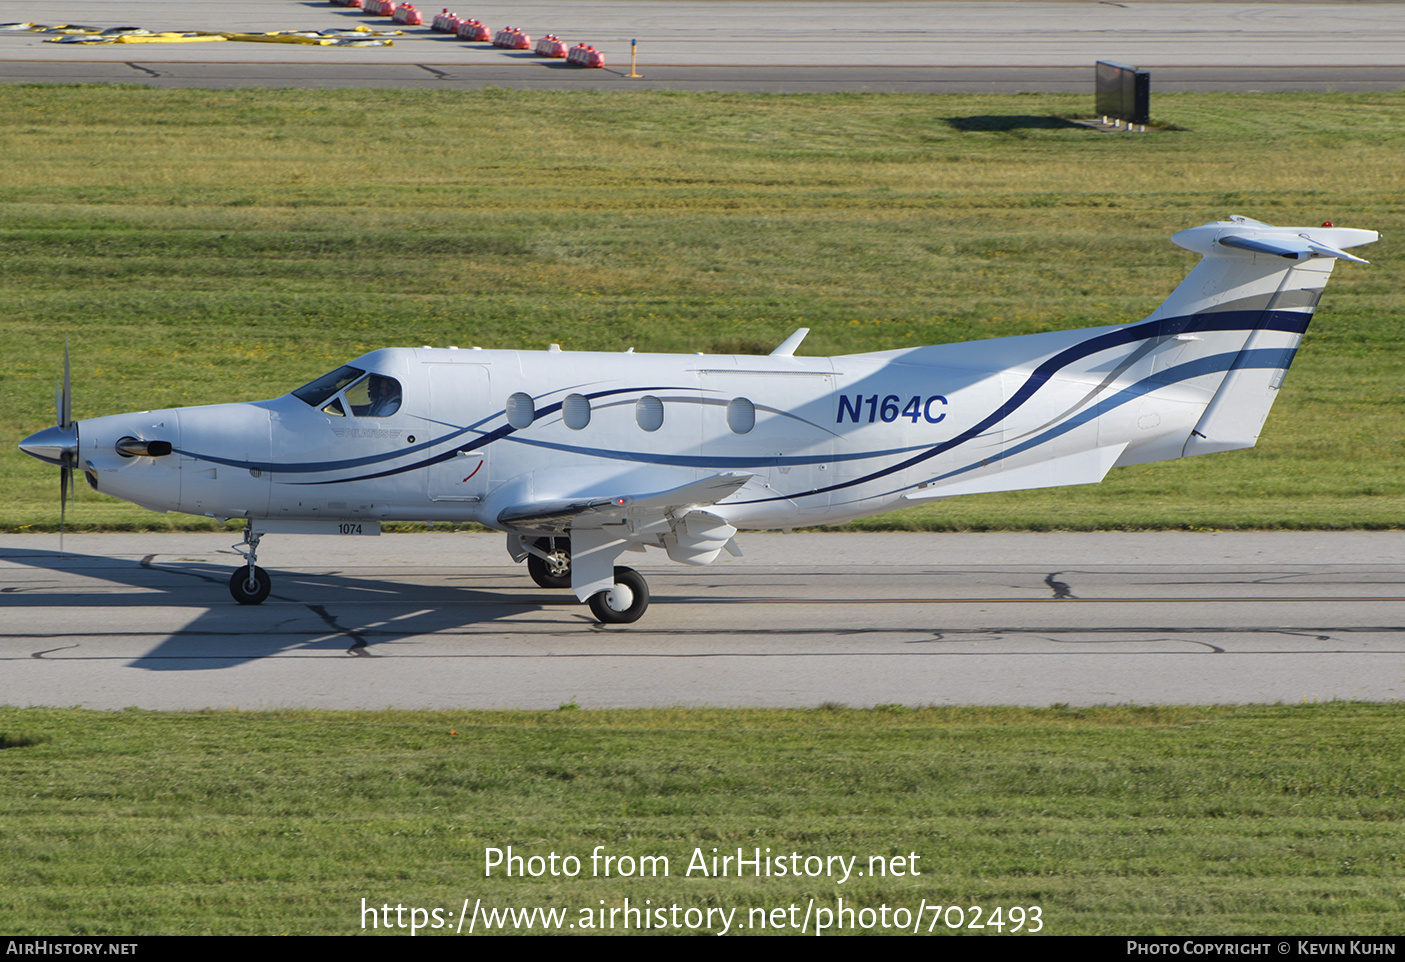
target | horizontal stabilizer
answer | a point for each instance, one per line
(1297, 249)
(1220, 238)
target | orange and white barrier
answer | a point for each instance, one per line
(551, 46)
(446, 22)
(346, 3)
(379, 8)
(512, 39)
(408, 15)
(584, 56)
(473, 30)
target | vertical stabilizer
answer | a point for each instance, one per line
(1255, 289)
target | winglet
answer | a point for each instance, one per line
(787, 347)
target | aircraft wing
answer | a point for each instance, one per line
(555, 517)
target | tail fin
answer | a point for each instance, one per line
(1262, 283)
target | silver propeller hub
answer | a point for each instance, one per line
(55, 445)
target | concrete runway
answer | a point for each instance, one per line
(442, 621)
(788, 46)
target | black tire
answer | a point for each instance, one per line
(239, 585)
(638, 587)
(543, 572)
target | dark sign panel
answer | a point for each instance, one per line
(1123, 92)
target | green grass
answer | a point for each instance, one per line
(1159, 820)
(201, 246)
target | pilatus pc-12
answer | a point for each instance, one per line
(581, 457)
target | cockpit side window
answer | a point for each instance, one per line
(376, 397)
(317, 392)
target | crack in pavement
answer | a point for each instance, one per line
(360, 648)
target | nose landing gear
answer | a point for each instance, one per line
(250, 585)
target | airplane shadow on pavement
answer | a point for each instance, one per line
(310, 613)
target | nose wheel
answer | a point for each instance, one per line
(250, 585)
(625, 602)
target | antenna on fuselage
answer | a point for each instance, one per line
(787, 347)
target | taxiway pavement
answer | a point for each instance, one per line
(442, 621)
(778, 46)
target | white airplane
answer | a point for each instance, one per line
(580, 457)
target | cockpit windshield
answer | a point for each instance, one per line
(317, 392)
(367, 395)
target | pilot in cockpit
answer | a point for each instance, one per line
(385, 396)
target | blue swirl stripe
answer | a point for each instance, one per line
(1295, 321)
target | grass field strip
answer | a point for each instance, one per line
(240, 242)
(1188, 820)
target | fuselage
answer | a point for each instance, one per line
(824, 439)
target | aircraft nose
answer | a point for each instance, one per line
(56, 445)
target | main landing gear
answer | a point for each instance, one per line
(625, 602)
(250, 584)
(549, 564)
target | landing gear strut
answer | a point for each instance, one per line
(625, 602)
(250, 584)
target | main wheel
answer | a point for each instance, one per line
(623, 603)
(554, 572)
(246, 593)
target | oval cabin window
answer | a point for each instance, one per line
(648, 412)
(575, 411)
(741, 415)
(521, 410)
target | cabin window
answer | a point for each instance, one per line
(575, 411)
(377, 396)
(648, 412)
(521, 410)
(320, 391)
(741, 415)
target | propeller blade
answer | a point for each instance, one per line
(66, 405)
(58, 445)
(65, 481)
